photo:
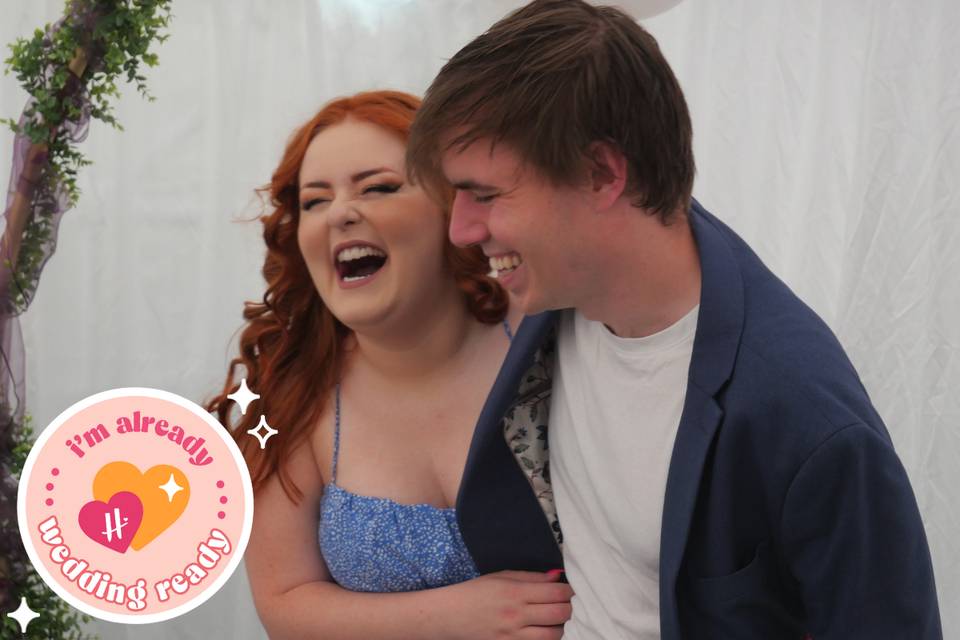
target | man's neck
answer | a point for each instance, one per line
(651, 276)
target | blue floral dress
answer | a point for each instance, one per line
(379, 545)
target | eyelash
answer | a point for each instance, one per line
(487, 199)
(382, 188)
(375, 188)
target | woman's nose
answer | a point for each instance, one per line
(342, 213)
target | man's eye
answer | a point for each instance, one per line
(381, 188)
(484, 199)
(309, 204)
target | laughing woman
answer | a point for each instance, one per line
(373, 350)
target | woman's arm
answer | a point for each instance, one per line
(296, 597)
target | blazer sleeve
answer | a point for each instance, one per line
(854, 540)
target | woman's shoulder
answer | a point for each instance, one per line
(319, 441)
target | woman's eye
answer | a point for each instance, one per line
(309, 204)
(382, 188)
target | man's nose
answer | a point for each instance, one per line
(468, 222)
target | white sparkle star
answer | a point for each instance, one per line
(23, 615)
(270, 431)
(171, 487)
(243, 396)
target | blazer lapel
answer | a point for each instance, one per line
(499, 515)
(701, 417)
(719, 327)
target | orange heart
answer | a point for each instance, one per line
(163, 503)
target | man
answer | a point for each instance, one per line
(718, 470)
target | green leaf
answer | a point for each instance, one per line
(125, 31)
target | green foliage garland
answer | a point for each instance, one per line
(114, 36)
(57, 619)
(71, 71)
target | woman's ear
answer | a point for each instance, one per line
(607, 177)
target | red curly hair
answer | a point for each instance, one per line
(291, 346)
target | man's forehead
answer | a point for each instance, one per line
(461, 142)
(484, 158)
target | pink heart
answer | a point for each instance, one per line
(112, 524)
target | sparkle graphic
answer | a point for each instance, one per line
(171, 487)
(23, 615)
(262, 437)
(243, 396)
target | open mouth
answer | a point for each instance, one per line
(359, 262)
(505, 264)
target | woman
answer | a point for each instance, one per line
(373, 351)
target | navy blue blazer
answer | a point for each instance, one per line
(787, 511)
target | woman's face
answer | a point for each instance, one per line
(372, 241)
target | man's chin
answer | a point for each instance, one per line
(532, 304)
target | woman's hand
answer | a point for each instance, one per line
(296, 598)
(509, 604)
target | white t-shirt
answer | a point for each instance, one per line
(614, 414)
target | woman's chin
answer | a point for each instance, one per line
(371, 316)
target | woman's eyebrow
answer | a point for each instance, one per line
(357, 177)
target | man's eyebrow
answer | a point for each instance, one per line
(470, 185)
(357, 177)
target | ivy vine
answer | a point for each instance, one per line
(71, 70)
(108, 41)
(57, 619)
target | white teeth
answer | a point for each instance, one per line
(506, 262)
(355, 253)
(354, 278)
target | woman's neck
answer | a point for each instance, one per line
(424, 344)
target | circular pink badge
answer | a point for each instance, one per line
(135, 505)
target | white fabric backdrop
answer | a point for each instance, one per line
(826, 132)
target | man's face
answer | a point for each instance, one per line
(528, 227)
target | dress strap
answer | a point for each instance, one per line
(336, 433)
(506, 329)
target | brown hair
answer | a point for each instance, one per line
(291, 345)
(550, 79)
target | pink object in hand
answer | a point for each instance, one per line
(112, 524)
